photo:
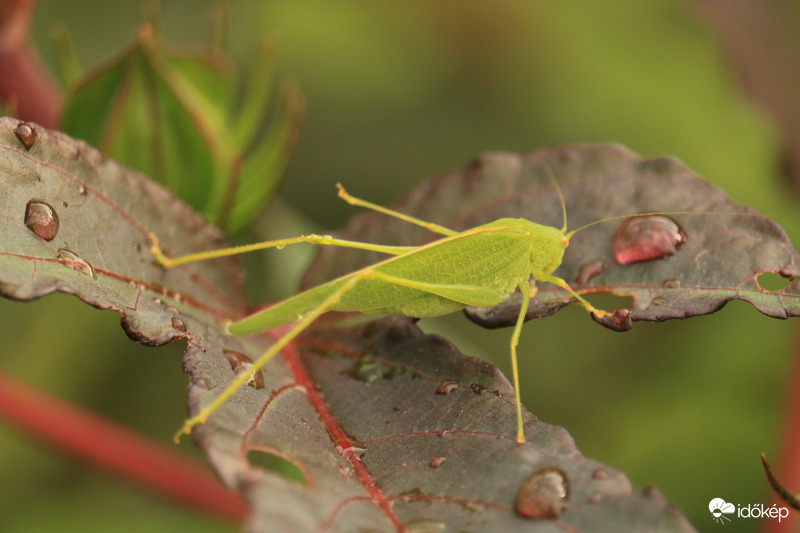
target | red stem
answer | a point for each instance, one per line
(787, 467)
(117, 449)
(26, 85)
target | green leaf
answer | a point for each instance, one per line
(263, 166)
(143, 111)
(168, 113)
(69, 66)
(389, 427)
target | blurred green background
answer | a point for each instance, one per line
(403, 91)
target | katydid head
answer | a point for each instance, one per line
(548, 251)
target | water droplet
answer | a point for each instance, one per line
(74, 262)
(42, 219)
(280, 246)
(672, 283)
(446, 387)
(590, 270)
(355, 448)
(26, 134)
(543, 494)
(599, 474)
(646, 238)
(240, 363)
(369, 371)
(423, 525)
(366, 371)
(443, 433)
(436, 462)
(81, 190)
(178, 324)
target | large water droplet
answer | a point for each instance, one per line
(26, 134)
(646, 238)
(42, 219)
(544, 494)
(73, 261)
(240, 363)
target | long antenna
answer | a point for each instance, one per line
(549, 171)
(551, 175)
(656, 213)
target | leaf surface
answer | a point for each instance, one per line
(720, 258)
(393, 430)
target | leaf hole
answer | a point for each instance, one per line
(276, 464)
(772, 281)
(609, 302)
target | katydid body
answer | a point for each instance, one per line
(481, 266)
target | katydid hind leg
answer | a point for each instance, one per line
(352, 200)
(525, 288)
(564, 285)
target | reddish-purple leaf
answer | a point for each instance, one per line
(674, 266)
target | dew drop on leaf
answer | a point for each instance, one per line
(73, 261)
(178, 324)
(646, 238)
(446, 387)
(241, 363)
(26, 134)
(366, 371)
(543, 494)
(436, 462)
(42, 219)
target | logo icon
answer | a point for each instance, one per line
(719, 508)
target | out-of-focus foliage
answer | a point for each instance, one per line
(174, 115)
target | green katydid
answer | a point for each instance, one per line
(481, 266)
